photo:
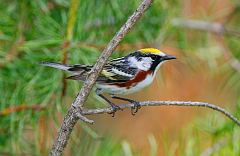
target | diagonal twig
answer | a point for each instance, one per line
(74, 112)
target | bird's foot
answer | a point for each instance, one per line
(114, 109)
(136, 107)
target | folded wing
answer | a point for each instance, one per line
(115, 71)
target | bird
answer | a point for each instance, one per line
(120, 76)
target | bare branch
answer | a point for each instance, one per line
(72, 115)
(83, 118)
(166, 103)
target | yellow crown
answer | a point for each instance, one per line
(151, 50)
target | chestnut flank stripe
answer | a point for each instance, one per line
(140, 76)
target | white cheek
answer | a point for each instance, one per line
(144, 64)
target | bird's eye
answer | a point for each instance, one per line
(139, 58)
(154, 57)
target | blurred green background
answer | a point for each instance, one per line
(34, 99)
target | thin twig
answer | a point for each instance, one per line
(212, 27)
(21, 108)
(166, 103)
(73, 113)
(83, 118)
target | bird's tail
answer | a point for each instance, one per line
(60, 66)
(80, 71)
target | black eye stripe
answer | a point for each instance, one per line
(139, 56)
(155, 57)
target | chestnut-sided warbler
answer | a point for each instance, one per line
(123, 75)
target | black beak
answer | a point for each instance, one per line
(168, 57)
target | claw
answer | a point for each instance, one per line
(135, 108)
(114, 109)
(113, 113)
(136, 104)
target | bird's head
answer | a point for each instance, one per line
(149, 58)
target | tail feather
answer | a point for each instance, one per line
(57, 65)
(77, 77)
(77, 69)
